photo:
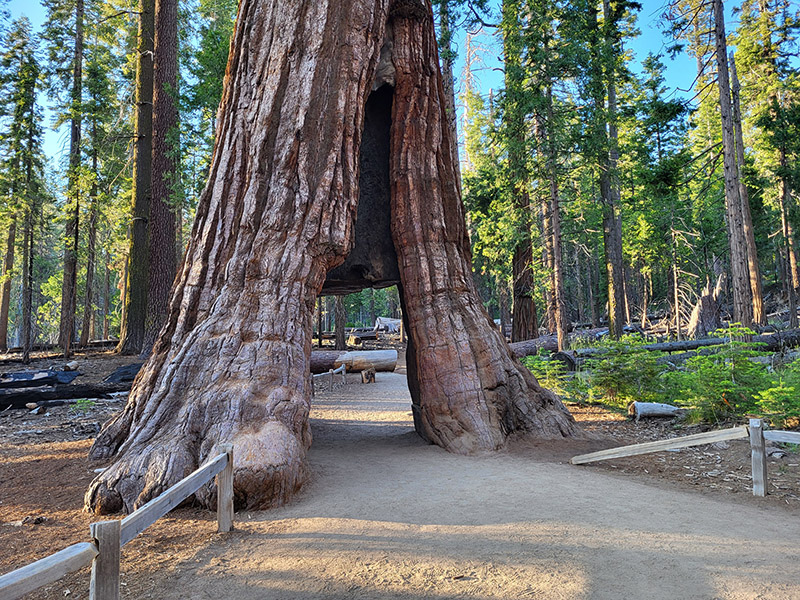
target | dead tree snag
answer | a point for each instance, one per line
(279, 213)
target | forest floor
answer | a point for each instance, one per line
(387, 516)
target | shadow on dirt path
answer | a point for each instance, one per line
(387, 516)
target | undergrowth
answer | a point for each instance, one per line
(725, 382)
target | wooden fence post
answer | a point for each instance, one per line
(225, 491)
(758, 457)
(330, 384)
(104, 584)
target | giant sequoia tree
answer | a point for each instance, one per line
(278, 213)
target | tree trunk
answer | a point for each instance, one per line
(88, 299)
(232, 363)
(740, 277)
(792, 278)
(162, 261)
(547, 265)
(5, 294)
(612, 219)
(27, 285)
(461, 360)
(524, 320)
(340, 323)
(448, 59)
(593, 267)
(705, 315)
(675, 288)
(131, 336)
(319, 322)
(69, 290)
(759, 315)
(106, 298)
(372, 316)
(525, 324)
(559, 295)
(579, 284)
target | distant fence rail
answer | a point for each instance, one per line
(108, 537)
(341, 370)
(755, 431)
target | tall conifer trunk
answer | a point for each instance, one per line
(612, 218)
(5, 290)
(69, 288)
(91, 254)
(135, 296)
(740, 275)
(753, 271)
(162, 259)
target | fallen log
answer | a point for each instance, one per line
(639, 410)
(26, 379)
(125, 373)
(547, 343)
(18, 398)
(380, 360)
(357, 338)
(110, 343)
(769, 342)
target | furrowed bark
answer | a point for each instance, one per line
(5, 290)
(232, 363)
(469, 393)
(740, 275)
(162, 260)
(131, 335)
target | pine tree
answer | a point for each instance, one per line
(162, 262)
(132, 333)
(65, 50)
(22, 160)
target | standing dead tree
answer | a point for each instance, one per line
(279, 214)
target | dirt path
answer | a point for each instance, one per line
(387, 516)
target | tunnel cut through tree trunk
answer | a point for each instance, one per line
(278, 213)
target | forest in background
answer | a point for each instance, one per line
(595, 195)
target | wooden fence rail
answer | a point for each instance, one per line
(47, 570)
(709, 437)
(341, 369)
(108, 537)
(755, 431)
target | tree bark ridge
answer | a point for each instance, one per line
(468, 391)
(231, 365)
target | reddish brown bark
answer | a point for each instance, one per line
(69, 288)
(162, 261)
(135, 283)
(759, 314)
(5, 289)
(740, 275)
(470, 392)
(232, 363)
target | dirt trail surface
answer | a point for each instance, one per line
(387, 516)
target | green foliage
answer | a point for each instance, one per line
(553, 375)
(723, 385)
(82, 406)
(624, 372)
(780, 404)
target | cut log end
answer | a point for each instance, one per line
(638, 410)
